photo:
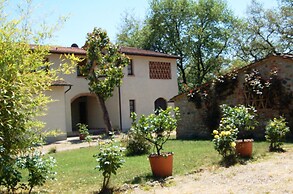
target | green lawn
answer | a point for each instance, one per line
(76, 173)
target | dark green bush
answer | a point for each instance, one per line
(136, 144)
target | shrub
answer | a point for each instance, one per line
(157, 128)
(52, 150)
(110, 159)
(39, 169)
(234, 120)
(241, 117)
(275, 132)
(224, 141)
(82, 128)
(136, 144)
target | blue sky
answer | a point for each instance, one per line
(84, 15)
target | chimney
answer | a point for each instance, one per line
(74, 45)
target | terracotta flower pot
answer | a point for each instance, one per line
(82, 136)
(161, 165)
(244, 147)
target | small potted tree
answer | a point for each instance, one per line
(83, 131)
(244, 120)
(157, 129)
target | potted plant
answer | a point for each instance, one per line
(157, 129)
(243, 119)
(83, 131)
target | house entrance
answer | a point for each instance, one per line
(85, 109)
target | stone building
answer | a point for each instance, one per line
(266, 84)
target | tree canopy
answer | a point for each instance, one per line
(208, 36)
(265, 31)
(197, 31)
(104, 68)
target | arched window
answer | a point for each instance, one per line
(160, 103)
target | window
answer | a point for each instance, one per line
(160, 70)
(82, 63)
(131, 106)
(130, 68)
(45, 66)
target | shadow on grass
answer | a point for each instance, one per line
(231, 161)
(142, 179)
(104, 191)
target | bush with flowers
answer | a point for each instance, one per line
(224, 139)
(234, 122)
(276, 131)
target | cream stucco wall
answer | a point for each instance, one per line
(144, 90)
(138, 87)
(55, 117)
(80, 88)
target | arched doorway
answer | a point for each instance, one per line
(86, 109)
(160, 103)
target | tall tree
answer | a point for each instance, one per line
(210, 39)
(169, 21)
(265, 31)
(104, 68)
(197, 31)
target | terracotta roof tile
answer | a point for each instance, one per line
(141, 52)
(67, 50)
(125, 50)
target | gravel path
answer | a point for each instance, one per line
(271, 175)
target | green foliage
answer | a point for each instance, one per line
(276, 131)
(225, 140)
(158, 127)
(234, 120)
(136, 144)
(264, 31)
(23, 85)
(240, 117)
(10, 174)
(110, 159)
(200, 32)
(104, 68)
(39, 169)
(52, 150)
(82, 129)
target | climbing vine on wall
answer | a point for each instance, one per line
(210, 94)
(259, 91)
(269, 92)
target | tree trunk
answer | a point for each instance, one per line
(105, 114)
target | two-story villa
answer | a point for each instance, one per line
(150, 80)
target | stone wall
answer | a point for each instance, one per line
(193, 123)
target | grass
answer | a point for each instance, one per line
(76, 173)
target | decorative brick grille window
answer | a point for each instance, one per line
(160, 70)
(257, 101)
